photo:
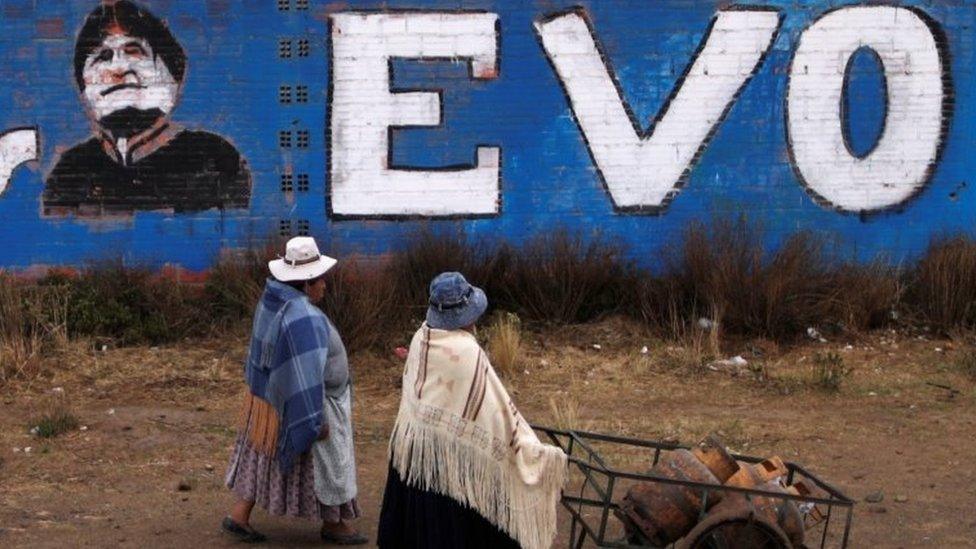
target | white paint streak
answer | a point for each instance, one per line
(363, 108)
(16, 147)
(899, 165)
(645, 171)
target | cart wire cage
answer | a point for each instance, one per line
(597, 484)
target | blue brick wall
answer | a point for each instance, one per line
(233, 88)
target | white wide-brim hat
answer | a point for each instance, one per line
(302, 261)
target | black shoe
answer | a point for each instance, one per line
(344, 539)
(244, 534)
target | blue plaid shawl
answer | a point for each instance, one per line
(289, 348)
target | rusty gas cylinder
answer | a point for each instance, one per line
(735, 523)
(665, 512)
(764, 476)
(812, 515)
(752, 475)
(713, 454)
(783, 512)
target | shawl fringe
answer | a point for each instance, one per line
(258, 422)
(427, 457)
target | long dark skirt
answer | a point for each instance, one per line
(412, 517)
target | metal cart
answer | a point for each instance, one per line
(597, 487)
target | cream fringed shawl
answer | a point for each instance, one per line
(459, 434)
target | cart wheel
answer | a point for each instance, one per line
(733, 529)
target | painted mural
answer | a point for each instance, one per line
(129, 69)
(364, 121)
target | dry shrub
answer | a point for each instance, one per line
(829, 371)
(865, 296)
(562, 278)
(55, 418)
(566, 414)
(429, 254)
(723, 273)
(726, 270)
(359, 298)
(695, 348)
(33, 323)
(236, 281)
(505, 342)
(965, 362)
(942, 286)
(130, 304)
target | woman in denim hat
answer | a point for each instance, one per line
(466, 470)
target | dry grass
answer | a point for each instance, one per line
(724, 268)
(866, 296)
(236, 281)
(829, 371)
(567, 414)
(33, 323)
(723, 272)
(56, 417)
(563, 278)
(942, 286)
(360, 299)
(505, 342)
(965, 362)
(429, 254)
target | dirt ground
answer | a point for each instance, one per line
(152, 419)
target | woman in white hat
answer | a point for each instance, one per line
(294, 452)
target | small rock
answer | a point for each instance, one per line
(875, 497)
(208, 467)
(938, 349)
(543, 363)
(901, 498)
(184, 486)
(872, 394)
(58, 390)
(28, 449)
(644, 350)
(34, 431)
(597, 346)
(526, 372)
(83, 428)
(813, 333)
(705, 323)
(111, 411)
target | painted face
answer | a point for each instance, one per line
(123, 73)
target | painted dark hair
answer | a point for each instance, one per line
(135, 22)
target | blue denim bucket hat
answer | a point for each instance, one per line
(454, 303)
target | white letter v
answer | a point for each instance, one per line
(643, 170)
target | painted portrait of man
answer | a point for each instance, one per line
(130, 71)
